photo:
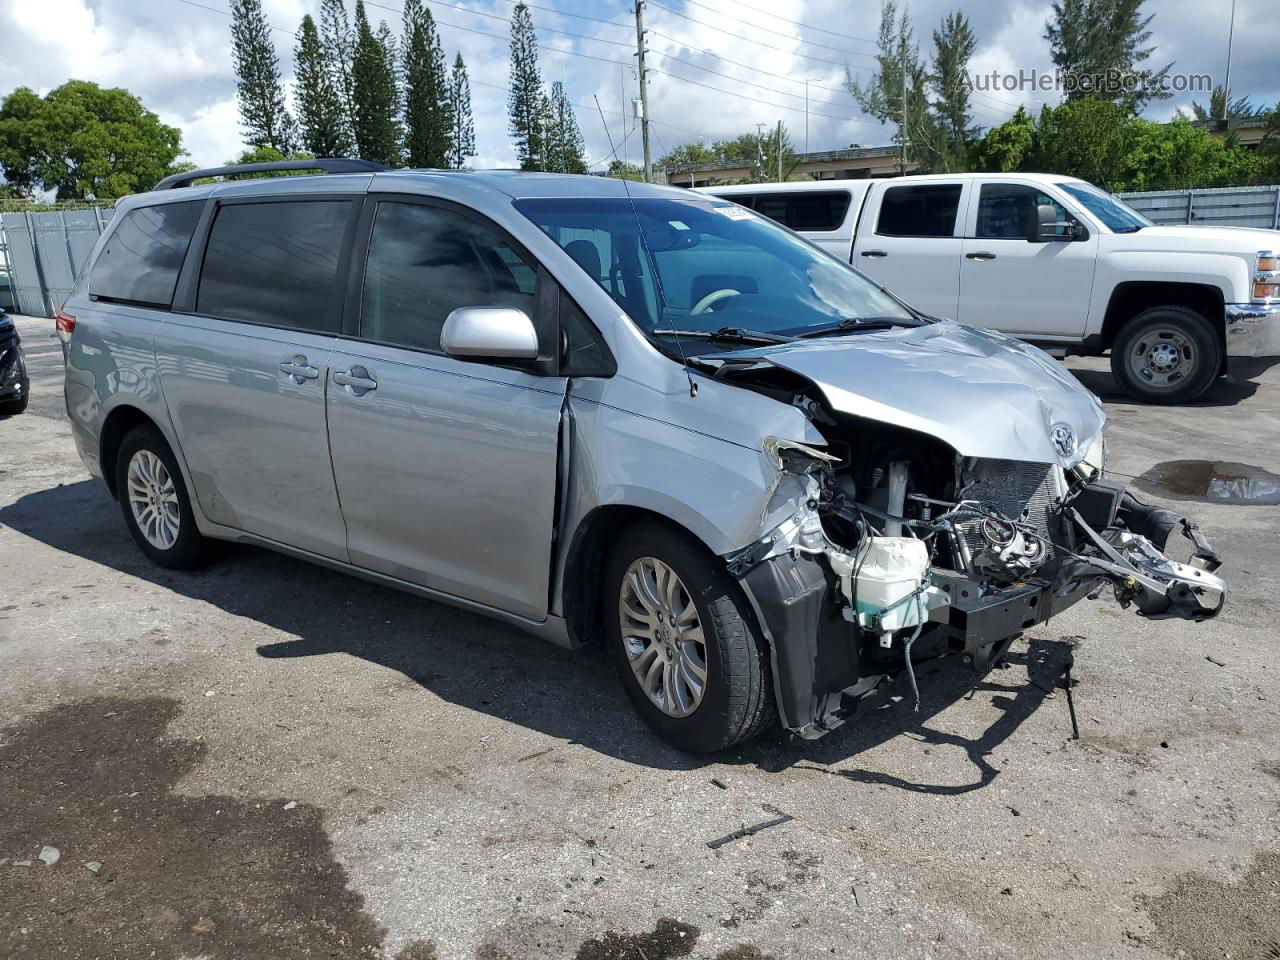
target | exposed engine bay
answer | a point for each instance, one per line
(886, 548)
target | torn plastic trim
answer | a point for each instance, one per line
(1142, 575)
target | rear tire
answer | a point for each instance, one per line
(154, 501)
(718, 638)
(1166, 355)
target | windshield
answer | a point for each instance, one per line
(707, 265)
(1112, 211)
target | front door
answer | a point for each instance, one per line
(244, 376)
(1008, 283)
(910, 242)
(446, 469)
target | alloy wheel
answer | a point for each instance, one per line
(153, 498)
(662, 637)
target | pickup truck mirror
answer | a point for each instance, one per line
(1043, 225)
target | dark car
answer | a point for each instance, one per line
(15, 386)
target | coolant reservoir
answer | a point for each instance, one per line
(888, 570)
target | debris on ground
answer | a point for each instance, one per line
(50, 855)
(719, 783)
(1215, 660)
(291, 804)
(93, 866)
(535, 755)
(748, 831)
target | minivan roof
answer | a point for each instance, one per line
(517, 184)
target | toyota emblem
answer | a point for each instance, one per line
(1064, 439)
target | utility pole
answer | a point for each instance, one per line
(902, 129)
(761, 164)
(1226, 85)
(779, 151)
(806, 116)
(644, 92)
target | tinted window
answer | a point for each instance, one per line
(919, 211)
(816, 211)
(425, 262)
(1112, 211)
(143, 255)
(275, 263)
(1005, 210)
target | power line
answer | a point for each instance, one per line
(743, 96)
(747, 66)
(779, 33)
(798, 23)
(738, 36)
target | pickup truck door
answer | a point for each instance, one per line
(909, 239)
(1039, 291)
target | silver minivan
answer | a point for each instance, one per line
(602, 410)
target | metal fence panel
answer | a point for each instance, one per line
(46, 250)
(24, 269)
(1224, 206)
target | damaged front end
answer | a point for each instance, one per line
(887, 549)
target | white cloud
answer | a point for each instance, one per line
(176, 57)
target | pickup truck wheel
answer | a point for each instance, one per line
(684, 641)
(1166, 355)
(154, 500)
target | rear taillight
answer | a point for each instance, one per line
(65, 324)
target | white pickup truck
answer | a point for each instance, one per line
(1055, 261)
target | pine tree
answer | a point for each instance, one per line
(427, 123)
(338, 44)
(258, 87)
(953, 45)
(374, 95)
(563, 146)
(1091, 40)
(319, 107)
(525, 98)
(462, 138)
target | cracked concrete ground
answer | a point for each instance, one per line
(461, 790)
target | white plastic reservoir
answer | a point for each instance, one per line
(889, 569)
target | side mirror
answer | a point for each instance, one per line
(489, 333)
(1043, 226)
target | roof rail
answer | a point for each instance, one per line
(326, 164)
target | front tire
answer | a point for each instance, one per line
(154, 501)
(685, 642)
(18, 404)
(1166, 355)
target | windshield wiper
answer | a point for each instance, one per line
(861, 323)
(734, 334)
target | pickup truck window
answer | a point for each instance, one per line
(927, 210)
(1115, 213)
(1005, 209)
(815, 212)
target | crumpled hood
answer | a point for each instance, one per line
(982, 393)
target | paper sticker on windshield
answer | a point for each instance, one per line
(733, 212)
(679, 224)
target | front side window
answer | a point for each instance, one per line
(275, 264)
(923, 210)
(144, 253)
(425, 262)
(706, 264)
(1114, 212)
(1005, 210)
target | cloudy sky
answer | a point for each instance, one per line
(718, 68)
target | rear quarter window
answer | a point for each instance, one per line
(144, 253)
(809, 211)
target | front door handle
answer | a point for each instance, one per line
(875, 253)
(298, 370)
(980, 255)
(356, 380)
